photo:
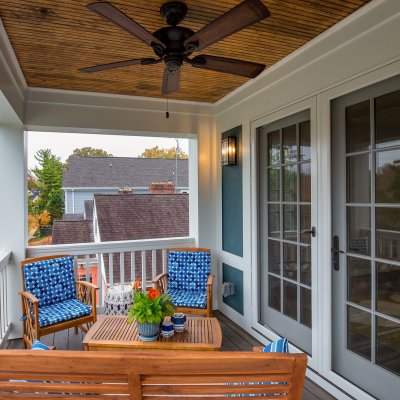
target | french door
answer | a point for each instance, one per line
(366, 239)
(285, 228)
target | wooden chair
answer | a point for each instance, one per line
(52, 300)
(188, 280)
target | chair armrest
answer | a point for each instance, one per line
(210, 280)
(160, 282)
(32, 298)
(87, 284)
(257, 348)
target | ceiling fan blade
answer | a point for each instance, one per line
(244, 14)
(229, 65)
(171, 81)
(119, 18)
(118, 64)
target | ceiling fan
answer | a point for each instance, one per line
(175, 44)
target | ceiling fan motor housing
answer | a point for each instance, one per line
(173, 12)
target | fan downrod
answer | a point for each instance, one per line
(173, 12)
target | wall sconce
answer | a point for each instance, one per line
(228, 151)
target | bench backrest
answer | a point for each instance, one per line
(214, 375)
(188, 269)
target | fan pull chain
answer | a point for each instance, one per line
(167, 113)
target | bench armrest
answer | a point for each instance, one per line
(210, 280)
(87, 284)
(30, 317)
(32, 298)
(160, 282)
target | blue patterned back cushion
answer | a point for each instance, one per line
(278, 346)
(188, 270)
(51, 281)
(37, 345)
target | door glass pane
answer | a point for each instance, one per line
(358, 127)
(289, 143)
(305, 182)
(290, 299)
(274, 293)
(388, 233)
(359, 281)
(358, 179)
(290, 261)
(388, 344)
(274, 184)
(305, 306)
(359, 230)
(290, 183)
(305, 265)
(388, 176)
(305, 224)
(274, 256)
(274, 220)
(305, 141)
(274, 148)
(388, 289)
(387, 120)
(359, 332)
(290, 222)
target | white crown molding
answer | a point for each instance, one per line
(357, 24)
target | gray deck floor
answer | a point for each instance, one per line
(234, 338)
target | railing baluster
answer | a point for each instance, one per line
(164, 260)
(133, 266)
(122, 269)
(87, 268)
(153, 264)
(144, 275)
(2, 305)
(99, 278)
(111, 269)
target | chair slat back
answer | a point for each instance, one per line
(188, 269)
(51, 280)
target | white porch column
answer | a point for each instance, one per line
(12, 205)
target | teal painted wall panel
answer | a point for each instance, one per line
(231, 274)
(232, 200)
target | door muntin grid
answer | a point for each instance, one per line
(373, 230)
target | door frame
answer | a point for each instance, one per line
(304, 105)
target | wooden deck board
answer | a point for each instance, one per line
(234, 338)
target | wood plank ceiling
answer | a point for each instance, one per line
(53, 39)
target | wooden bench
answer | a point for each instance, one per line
(152, 375)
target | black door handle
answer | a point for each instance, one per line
(335, 253)
(312, 231)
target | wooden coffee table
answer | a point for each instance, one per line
(114, 333)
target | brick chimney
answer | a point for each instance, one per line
(125, 191)
(162, 188)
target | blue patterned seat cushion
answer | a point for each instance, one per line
(188, 270)
(188, 298)
(63, 311)
(51, 281)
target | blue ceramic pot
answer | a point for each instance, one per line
(148, 332)
(179, 321)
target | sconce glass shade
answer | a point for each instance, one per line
(228, 151)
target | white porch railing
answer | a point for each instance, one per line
(116, 263)
(5, 325)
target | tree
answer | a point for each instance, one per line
(49, 176)
(156, 152)
(36, 221)
(55, 205)
(32, 181)
(90, 152)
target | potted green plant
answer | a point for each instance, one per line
(149, 309)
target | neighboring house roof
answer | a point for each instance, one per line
(88, 212)
(117, 172)
(72, 217)
(69, 232)
(142, 216)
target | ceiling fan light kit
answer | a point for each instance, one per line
(175, 44)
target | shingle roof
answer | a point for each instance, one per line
(142, 216)
(69, 232)
(117, 172)
(72, 217)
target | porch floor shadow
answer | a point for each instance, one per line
(234, 338)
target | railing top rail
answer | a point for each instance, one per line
(4, 259)
(110, 247)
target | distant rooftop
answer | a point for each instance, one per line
(118, 172)
(69, 232)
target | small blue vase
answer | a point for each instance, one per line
(148, 332)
